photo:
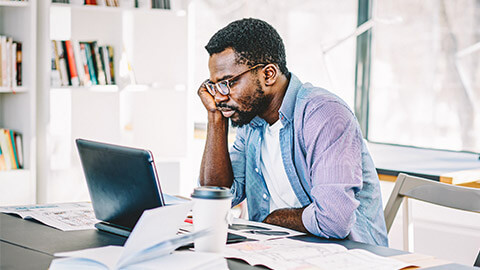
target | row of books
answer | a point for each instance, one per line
(161, 4)
(10, 62)
(77, 63)
(11, 153)
(108, 3)
(157, 4)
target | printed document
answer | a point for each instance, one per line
(285, 254)
(62, 216)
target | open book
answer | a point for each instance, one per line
(150, 246)
(283, 254)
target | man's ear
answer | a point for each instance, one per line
(271, 73)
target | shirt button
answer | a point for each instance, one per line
(265, 196)
(256, 169)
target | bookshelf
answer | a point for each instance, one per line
(18, 104)
(5, 3)
(154, 42)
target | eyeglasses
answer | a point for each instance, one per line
(223, 87)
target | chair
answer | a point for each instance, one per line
(477, 261)
(406, 186)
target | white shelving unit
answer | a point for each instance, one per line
(155, 43)
(18, 107)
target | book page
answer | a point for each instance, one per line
(62, 216)
(108, 256)
(155, 226)
(284, 254)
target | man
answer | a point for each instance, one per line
(299, 157)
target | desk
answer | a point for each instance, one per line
(439, 165)
(27, 244)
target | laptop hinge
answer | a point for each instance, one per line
(102, 226)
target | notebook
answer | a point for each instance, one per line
(122, 183)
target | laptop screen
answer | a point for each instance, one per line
(122, 181)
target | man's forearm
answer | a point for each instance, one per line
(289, 217)
(216, 168)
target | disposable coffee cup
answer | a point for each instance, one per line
(211, 211)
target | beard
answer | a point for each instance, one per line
(254, 105)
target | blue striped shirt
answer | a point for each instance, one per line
(327, 164)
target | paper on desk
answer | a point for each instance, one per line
(62, 216)
(260, 231)
(284, 254)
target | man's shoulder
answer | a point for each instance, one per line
(311, 98)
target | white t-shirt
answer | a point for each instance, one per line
(273, 170)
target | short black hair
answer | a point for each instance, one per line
(254, 42)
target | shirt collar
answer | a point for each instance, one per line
(288, 104)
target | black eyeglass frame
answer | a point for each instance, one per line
(223, 87)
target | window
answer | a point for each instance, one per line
(425, 74)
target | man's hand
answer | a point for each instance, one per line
(289, 217)
(207, 99)
(216, 168)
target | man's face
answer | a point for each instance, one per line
(246, 99)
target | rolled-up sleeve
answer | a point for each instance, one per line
(237, 158)
(333, 144)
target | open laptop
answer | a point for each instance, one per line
(122, 183)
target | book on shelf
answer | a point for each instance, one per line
(106, 67)
(65, 57)
(72, 66)
(87, 79)
(81, 63)
(19, 56)
(11, 150)
(3, 60)
(10, 62)
(98, 63)
(7, 75)
(90, 63)
(161, 4)
(55, 77)
(112, 3)
(62, 64)
(111, 64)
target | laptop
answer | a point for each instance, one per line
(122, 183)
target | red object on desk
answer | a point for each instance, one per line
(189, 220)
